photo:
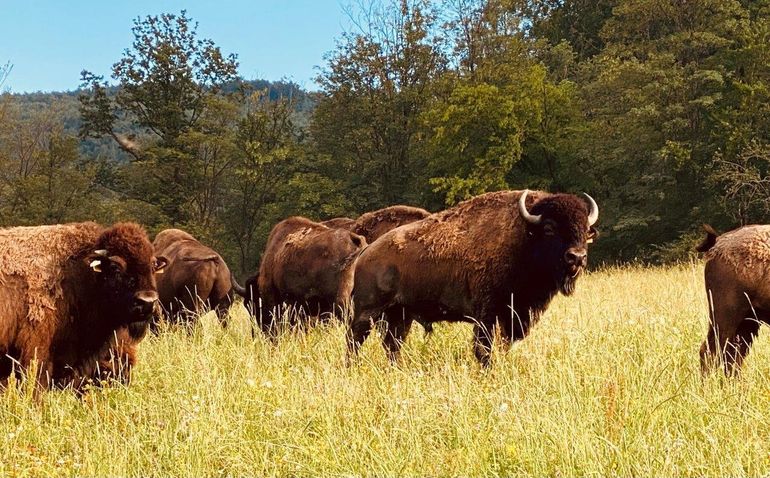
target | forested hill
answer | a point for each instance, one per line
(658, 109)
(65, 104)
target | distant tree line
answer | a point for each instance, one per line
(659, 109)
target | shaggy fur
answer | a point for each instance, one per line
(470, 263)
(374, 224)
(305, 263)
(737, 278)
(340, 223)
(196, 277)
(54, 308)
(113, 362)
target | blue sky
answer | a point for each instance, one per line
(50, 41)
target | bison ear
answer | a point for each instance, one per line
(159, 265)
(359, 241)
(593, 234)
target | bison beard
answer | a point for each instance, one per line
(472, 263)
(65, 290)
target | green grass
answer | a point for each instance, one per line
(607, 383)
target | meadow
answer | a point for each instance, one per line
(607, 384)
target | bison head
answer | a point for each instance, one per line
(560, 227)
(124, 269)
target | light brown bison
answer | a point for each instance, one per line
(64, 291)
(737, 276)
(305, 263)
(497, 258)
(196, 276)
(339, 223)
(374, 224)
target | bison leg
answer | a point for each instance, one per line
(398, 322)
(44, 373)
(515, 326)
(738, 347)
(358, 331)
(221, 308)
(483, 332)
(708, 351)
(731, 328)
(427, 325)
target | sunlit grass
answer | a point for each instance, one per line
(607, 383)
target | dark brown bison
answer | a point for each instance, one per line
(196, 276)
(340, 223)
(65, 290)
(497, 258)
(736, 275)
(374, 224)
(305, 263)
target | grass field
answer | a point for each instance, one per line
(607, 383)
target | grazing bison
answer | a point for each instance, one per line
(65, 290)
(304, 263)
(497, 258)
(736, 275)
(196, 276)
(374, 224)
(340, 223)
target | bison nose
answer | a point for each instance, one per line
(144, 301)
(575, 257)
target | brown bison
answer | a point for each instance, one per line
(340, 223)
(196, 276)
(305, 263)
(65, 290)
(374, 224)
(736, 275)
(497, 258)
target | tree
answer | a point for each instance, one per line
(652, 97)
(374, 88)
(168, 82)
(44, 180)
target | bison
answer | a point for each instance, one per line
(66, 289)
(498, 258)
(736, 275)
(196, 276)
(374, 224)
(305, 263)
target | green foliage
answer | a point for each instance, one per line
(476, 137)
(657, 108)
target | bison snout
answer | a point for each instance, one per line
(576, 258)
(144, 301)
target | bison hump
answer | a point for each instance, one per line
(200, 256)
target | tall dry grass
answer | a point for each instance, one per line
(607, 383)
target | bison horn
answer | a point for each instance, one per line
(593, 213)
(96, 265)
(530, 218)
(101, 252)
(237, 288)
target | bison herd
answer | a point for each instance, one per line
(76, 299)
